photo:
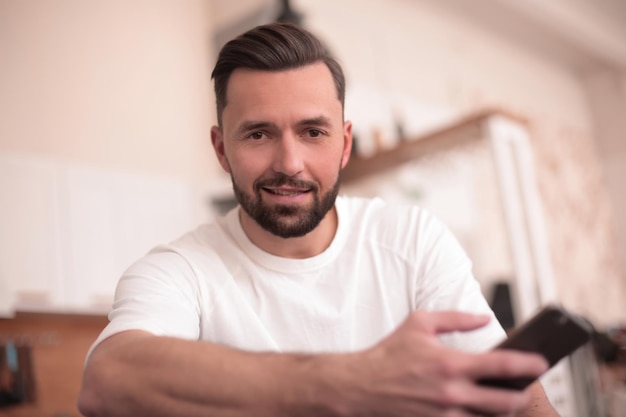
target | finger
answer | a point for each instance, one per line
(435, 322)
(488, 401)
(502, 364)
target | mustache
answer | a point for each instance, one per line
(280, 180)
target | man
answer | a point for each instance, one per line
(299, 302)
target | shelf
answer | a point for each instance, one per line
(467, 129)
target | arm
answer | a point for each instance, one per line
(137, 374)
(408, 373)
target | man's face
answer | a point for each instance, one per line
(284, 143)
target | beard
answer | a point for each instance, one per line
(287, 220)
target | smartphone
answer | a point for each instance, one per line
(552, 332)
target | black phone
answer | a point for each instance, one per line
(553, 332)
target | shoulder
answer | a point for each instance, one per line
(183, 260)
(378, 217)
(403, 231)
(184, 247)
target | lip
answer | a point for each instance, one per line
(286, 195)
(286, 190)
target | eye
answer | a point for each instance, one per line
(315, 133)
(256, 135)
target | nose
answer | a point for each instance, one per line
(288, 156)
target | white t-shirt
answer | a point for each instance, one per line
(215, 285)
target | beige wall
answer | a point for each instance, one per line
(607, 94)
(117, 84)
(124, 85)
(420, 48)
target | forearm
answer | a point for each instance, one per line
(407, 373)
(142, 375)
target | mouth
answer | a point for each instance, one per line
(286, 191)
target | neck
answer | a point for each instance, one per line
(309, 245)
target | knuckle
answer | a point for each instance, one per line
(421, 321)
(506, 369)
(505, 366)
(448, 368)
(448, 394)
(512, 369)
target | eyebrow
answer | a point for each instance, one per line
(322, 121)
(253, 125)
(247, 126)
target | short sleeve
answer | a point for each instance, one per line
(446, 282)
(158, 294)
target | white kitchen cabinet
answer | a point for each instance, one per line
(69, 231)
(112, 220)
(30, 238)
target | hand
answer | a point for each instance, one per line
(410, 373)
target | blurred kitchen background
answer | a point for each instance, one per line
(505, 118)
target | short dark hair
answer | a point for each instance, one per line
(272, 47)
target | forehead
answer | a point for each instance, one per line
(254, 90)
(316, 72)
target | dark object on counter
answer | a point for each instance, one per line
(288, 14)
(502, 306)
(605, 348)
(17, 382)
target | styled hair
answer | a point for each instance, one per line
(272, 47)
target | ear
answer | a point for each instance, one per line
(347, 143)
(217, 139)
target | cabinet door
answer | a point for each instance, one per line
(31, 263)
(113, 219)
(68, 232)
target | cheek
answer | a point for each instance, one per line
(246, 168)
(326, 170)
